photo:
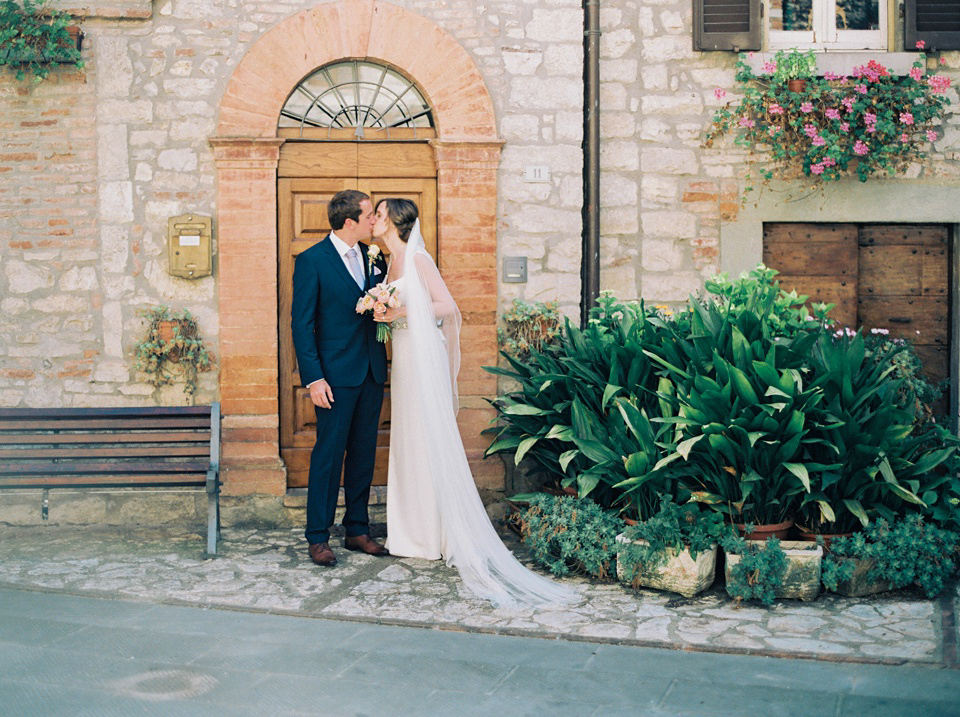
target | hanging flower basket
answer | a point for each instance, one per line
(870, 123)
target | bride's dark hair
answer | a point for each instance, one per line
(403, 213)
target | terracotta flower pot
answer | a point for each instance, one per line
(808, 535)
(762, 532)
(796, 85)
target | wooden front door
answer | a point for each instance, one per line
(882, 276)
(309, 175)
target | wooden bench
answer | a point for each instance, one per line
(52, 448)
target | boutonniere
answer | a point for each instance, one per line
(373, 252)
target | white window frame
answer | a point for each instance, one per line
(825, 35)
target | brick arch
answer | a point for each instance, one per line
(362, 29)
(246, 150)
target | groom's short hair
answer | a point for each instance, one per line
(345, 205)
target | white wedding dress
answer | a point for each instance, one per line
(433, 508)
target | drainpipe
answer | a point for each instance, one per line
(590, 267)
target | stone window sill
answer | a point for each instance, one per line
(842, 63)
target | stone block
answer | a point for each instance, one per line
(654, 77)
(568, 126)
(565, 60)
(556, 25)
(78, 278)
(617, 125)
(115, 74)
(113, 160)
(565, 256)
(24, 278)
(78, 507)
(675, 104)
(538, 219)
(674, 23)
(620, 278)
(113, 329)
(664, 48)
(656, 189)
(624, 70)
(619, 155)
(613, 96)
(115, 111)
(545, 93)
(682, 225)
(859, 583)
(158, 507)
(178, 160)
(617, 191)
(661, 255)
(189, 88)
(654, 130)
(21, 507)
(515, 189)
(619, 220)
(663, 160)
(519, 127)
(519, 61)
(116, 202)
(679, 574)
(616, 43)
(675, 286)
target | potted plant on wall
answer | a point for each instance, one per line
(172, 345)
(871, 123)
(32, 37)
(794, 68)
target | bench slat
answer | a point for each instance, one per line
(112, 424)
(161, 451)
(112, 467)
(107, 438)
(122, 412)
(104, 481)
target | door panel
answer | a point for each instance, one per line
(310, 174)
(893, 277)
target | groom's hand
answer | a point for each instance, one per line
(321, 394)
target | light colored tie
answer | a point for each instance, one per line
(355, 267)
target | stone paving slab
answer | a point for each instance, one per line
(269, 571)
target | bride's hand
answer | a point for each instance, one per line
(386, 315)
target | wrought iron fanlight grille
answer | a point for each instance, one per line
(358, 94)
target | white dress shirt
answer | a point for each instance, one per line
(342, 250)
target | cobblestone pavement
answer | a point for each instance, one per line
(269, 571)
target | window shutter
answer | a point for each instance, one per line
(731, 25)
(935, 22)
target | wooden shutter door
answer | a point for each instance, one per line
(731, 25)
(819, 260)
(935, 22)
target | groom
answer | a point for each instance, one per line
(345, 367)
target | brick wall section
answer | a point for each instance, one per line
(50, 266)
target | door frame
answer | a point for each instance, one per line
(246, 152)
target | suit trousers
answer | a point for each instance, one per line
(348, 428)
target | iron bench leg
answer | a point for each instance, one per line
(213, 512)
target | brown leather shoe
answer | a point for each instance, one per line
(321, 554)
(366, 544)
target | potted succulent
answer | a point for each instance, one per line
(32, 36)
(887, 556)
(172, 339)
(675, 550)
(770, 569)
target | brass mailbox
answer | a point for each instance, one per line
(190, 246)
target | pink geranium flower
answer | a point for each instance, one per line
(848, 103)
(906, 118)
(833, 114)
(862, 89)
(916, 73)
(844, 126)
(939, 83)
(819, 141)
(904, 137)
(859, 148)
(719, 93)
(746, 122)
(810, 130)
(921, 44)
(775, 109)
(769, 67)
(816, 168)
(931, 135)
(806, 107)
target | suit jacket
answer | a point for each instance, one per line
(331, 339)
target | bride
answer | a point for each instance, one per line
(433, 508)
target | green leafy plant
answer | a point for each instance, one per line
(907, 551)
(172, 340)
(794, 65)
(915, 393)
(32, 36)
(570, 535)
(677, 527)
(759, 573)
(869, 123)
(529, 326)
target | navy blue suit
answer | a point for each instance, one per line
(334, 342)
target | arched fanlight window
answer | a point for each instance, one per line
(355, 94)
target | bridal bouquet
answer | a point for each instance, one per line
(381, 295)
